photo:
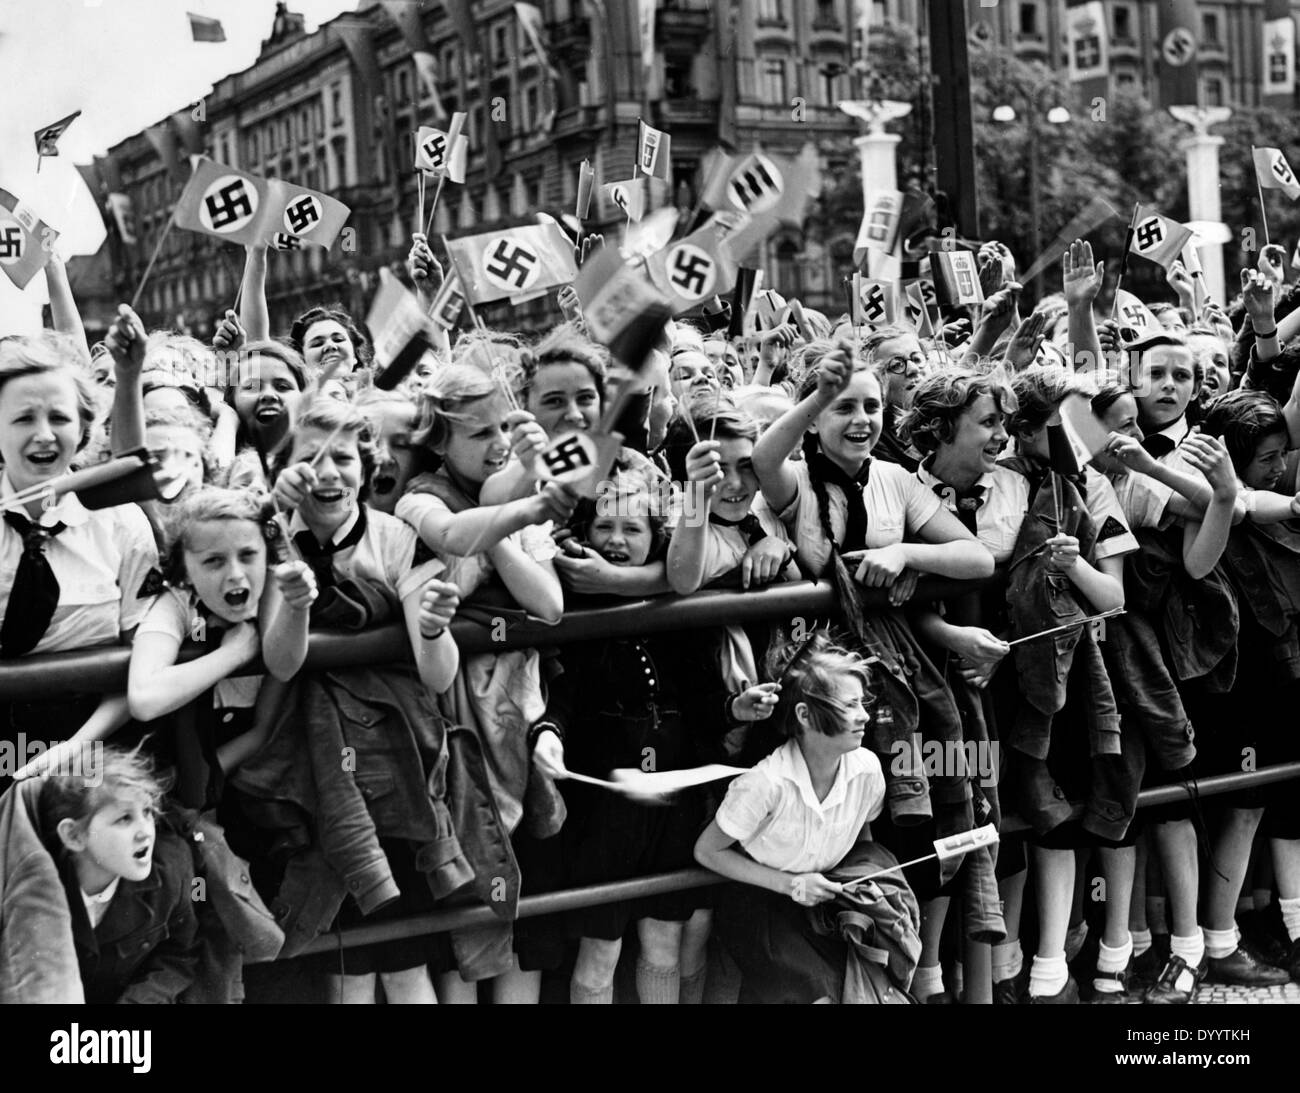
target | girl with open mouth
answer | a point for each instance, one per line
(265, 390)
(217, 574)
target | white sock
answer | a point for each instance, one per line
(927, 981)
(1192, 950)
(1048, 975)
(1112, 960)
(1156, 915)
(582, 995)
(1141, 941)
(1074, 940)
(1220, 943)
(1008, 960)
(1290, 909)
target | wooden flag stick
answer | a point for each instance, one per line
(419, 190)
(1123, 259)
(154, 258)
(433, 208)
(1069, 626)
(1259, 189)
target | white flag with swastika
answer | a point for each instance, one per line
(507, 263)
(309, 215)
(1274, 173)
(695, 268)
(26, 242)
(627, 196)
(1157, 237)
(875, 303)
(438, 151)
(225, 202)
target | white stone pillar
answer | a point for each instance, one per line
(1202, 150)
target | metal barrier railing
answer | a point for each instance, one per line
(104, 670)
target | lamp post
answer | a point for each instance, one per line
(1056, 115)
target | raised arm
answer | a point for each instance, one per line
(253, 312)
(1081, 280)
(125, 343)
(63, 308)
(1203, 542)
(688, 547)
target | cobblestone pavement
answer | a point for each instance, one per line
(1212, 994)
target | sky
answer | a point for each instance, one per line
(125, 64)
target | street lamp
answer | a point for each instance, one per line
(1057, 115)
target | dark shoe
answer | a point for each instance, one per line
(1145, 969)
(1292, 965)
(1165, 992)
(1066, 996)
(1011, 992)
(1241, 969)
(1261, 941)
(943, 998)
(1121, 997)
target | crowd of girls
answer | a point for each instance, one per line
(977, 499)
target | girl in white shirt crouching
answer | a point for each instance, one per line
(796, 815)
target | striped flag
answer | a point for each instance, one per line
(880, 221)
(512, 262)
(1278, 77)
(530, 19)
(26, 242)
(402, 331)
(449, 304)
(956, 278)
(1157, 237)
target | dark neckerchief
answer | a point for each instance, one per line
(749, 526)
(820, 466)
(321, 558)
(35, 592)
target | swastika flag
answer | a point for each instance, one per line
(309, 215)
(437, 151)
(508, 263)
(47, 137)
(1158, 238)
(628, 196)
(25, 241)
(1274, 173)
(242, 208)
(875, 303)
(694, 269)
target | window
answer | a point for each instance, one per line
(1124, 23)
(1210, 28)
(826, 15)
(771, 11)
(772, 82)
(788, 274)
(677, 77)
(829, 84)
(336, 104)
(1029, 21)
(450, 61)
(532, 113)
(500, 50)
(1214, 91)
(403, 86)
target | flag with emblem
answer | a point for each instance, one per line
(1274, 173)
(694, 268)
(1132, 313)
(1088, 41)
(879, 228)
(204, 29)
(628, 196)
(47, 137)
(224, 202)
(1157, 237)
(1278, 78)
(26, 242)
(308, 215)
(512, 262)
(956, 278)
(409, 20)
(653, 153)
(531, 22)
(875, 303)
(759, 193)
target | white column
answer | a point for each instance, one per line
(1202, 149)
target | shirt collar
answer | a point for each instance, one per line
(928, 477)
(105, 896)
(1177, 432)
(297, 524)
(69, 511)
(794, 768)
